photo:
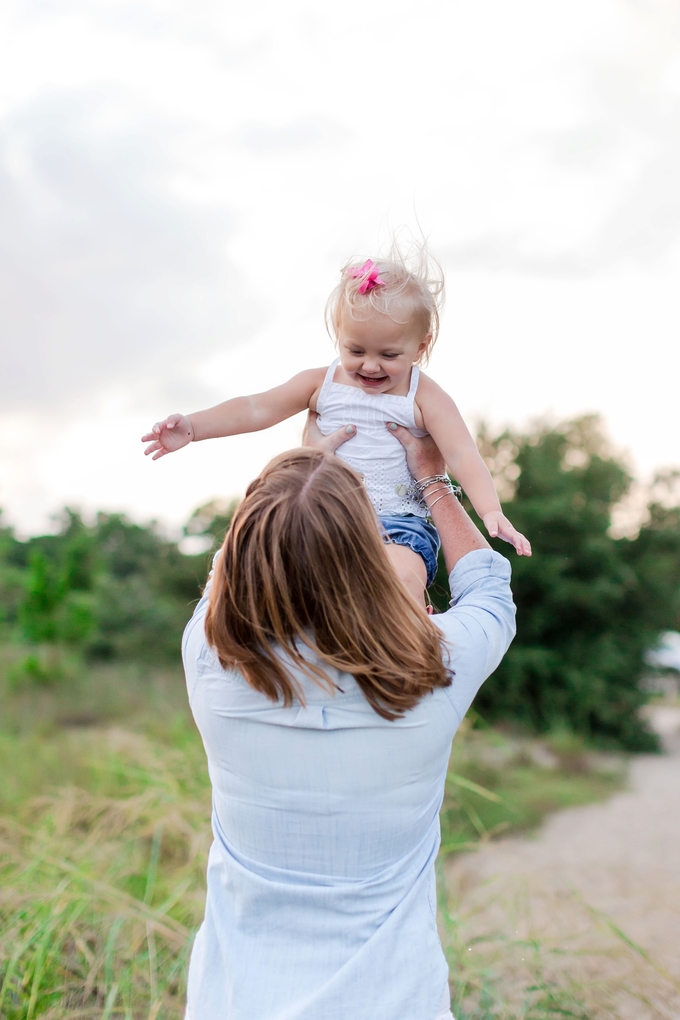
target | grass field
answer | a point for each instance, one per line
(104, 830)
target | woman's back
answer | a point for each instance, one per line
(321, 899)
(363, 790)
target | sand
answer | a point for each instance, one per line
(597, 889)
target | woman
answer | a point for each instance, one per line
(327, 701)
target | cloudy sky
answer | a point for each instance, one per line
(180, 182)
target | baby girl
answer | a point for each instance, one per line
(384, 317)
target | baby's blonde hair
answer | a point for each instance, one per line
(413, 283)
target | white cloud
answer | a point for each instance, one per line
(104, 273)
(180, 183)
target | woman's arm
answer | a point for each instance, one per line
(234, 417)
(480, 624)
(458, 534)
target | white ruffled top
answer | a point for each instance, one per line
(373, 451)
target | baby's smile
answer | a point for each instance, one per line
(372, 381)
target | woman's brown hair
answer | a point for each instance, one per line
(303, 564)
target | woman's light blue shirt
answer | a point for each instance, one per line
(321, 899)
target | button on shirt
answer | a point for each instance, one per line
(321, 900)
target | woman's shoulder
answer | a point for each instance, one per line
(480, 584)
(480, 625)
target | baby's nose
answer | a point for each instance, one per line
(371, 366)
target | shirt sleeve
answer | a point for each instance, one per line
(480, 624)
(194, 646)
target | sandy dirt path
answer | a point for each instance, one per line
(596, 894)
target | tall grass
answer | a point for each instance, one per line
(104, 832)
(102, 891)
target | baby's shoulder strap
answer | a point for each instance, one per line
(327, 383)
(413, 388)
(330, 372)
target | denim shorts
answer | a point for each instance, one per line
(416, 533)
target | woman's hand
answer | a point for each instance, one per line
(169, 435)
(458, 534)
(422, 455)
(424, 460)
(314, 437)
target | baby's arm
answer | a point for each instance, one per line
(233, 417)
(443, 421)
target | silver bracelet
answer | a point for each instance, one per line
(450, 493)
(440, 488)
(418, 486)
(422, 483)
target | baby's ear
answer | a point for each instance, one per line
(424, 347)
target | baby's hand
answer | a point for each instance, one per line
(169, 435)
(498, 526)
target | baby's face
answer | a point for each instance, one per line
(377, 354)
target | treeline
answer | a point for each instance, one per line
(589, 604)
(112, 589)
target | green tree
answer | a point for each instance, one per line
(212, 520)
(12, 575)
(144, 591)
(111, 589)
(57, 606)
(38, 612)
(589, 604)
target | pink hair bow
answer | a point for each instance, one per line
(371, 275)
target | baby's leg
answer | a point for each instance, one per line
(412, 545)
(411, 570)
